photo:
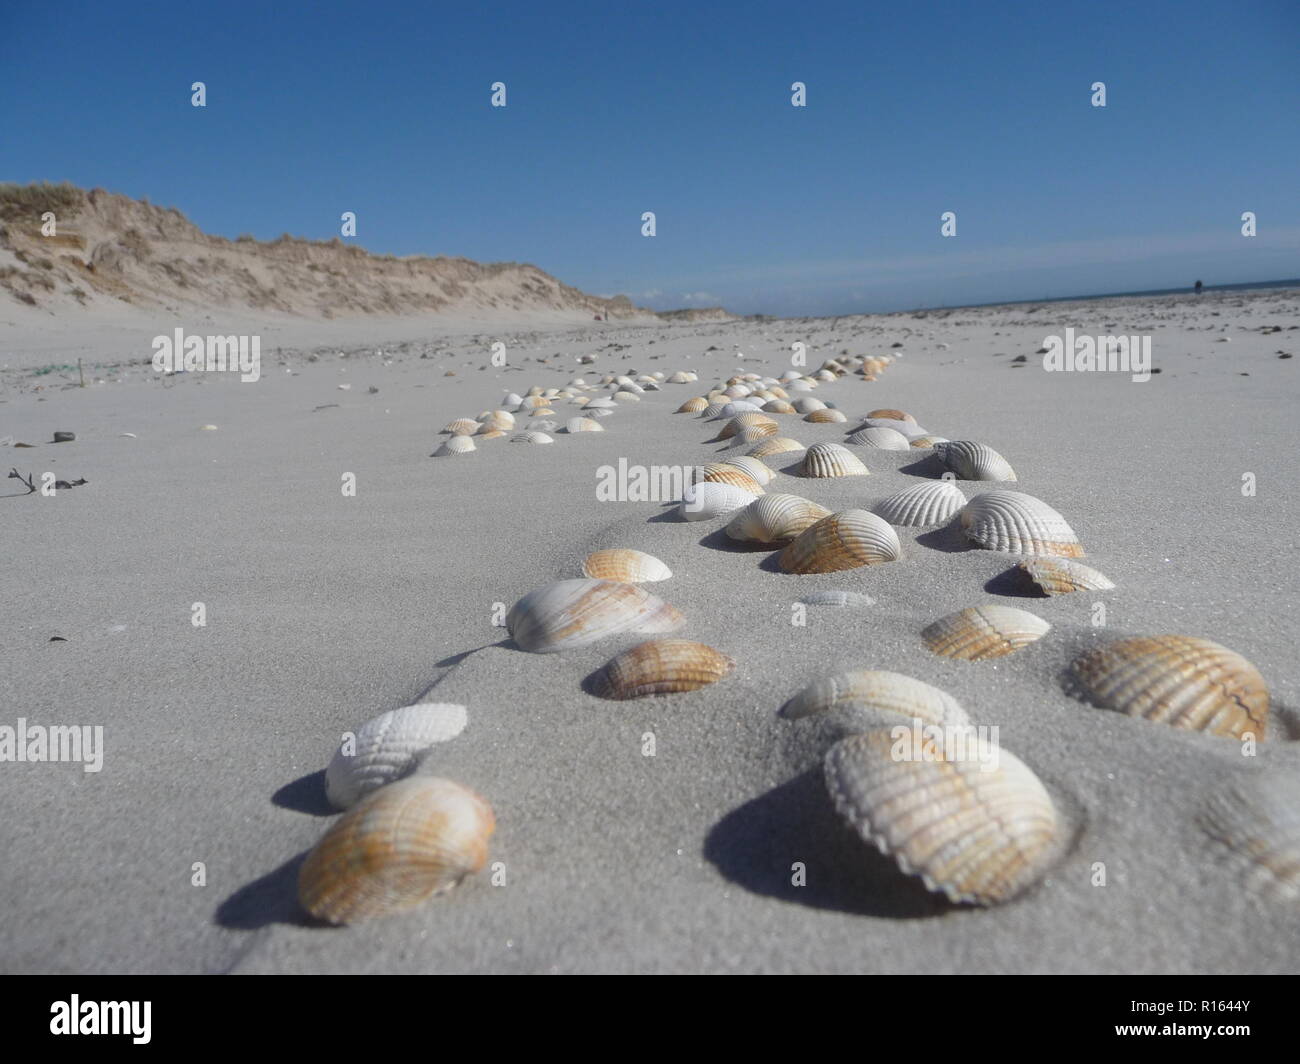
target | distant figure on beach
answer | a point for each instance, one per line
(1199, 286)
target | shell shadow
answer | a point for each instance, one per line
(1014, 583)
(929, 467)
(272, 899)
(756, 845)
(948, 539)
(719, 540)
(456, 659)
(670, 516)
(306, 794)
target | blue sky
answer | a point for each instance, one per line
(383, 108)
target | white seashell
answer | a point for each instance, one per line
(980, 828)
(864, 699)
(630, 566)
(806, 404)
(1017, 523)
(774, 445)
(542, 425)
(800, 385)
(583, 424)
(387, 748)
(573, 613)
(455, 445)
(531, 437)
(600, 404)
(903, 428)
(760, 473)
(737, 407)
(935, 502)
(831, 460)
(974, 461)
(837, 598)
(712, 411)
(885, 439)
(1254, 824)
(707, 500)
(462, 426)
(774, 519)
(750, 435)
(982, 632)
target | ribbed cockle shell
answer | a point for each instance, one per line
(845, 540)
(661, 666)
(396, 848)
(573, 613)
(1178, 680)
(976, 824)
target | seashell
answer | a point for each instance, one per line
(543, 425)
(712, 410)
(661, 666)
(778, 406)
(926, 442)
(512, 401)
(1060, 576)
(935, 502)
(864, 699)
(1017, 523)
(692, 406)
(973, 461)
(875, 436)
(630, 566)
(501, 419)
(532, 402)
(624, 396)
(602, 403)
(707, 500)
(744, 421)
(831, 460)
(892, 415)
(780, 393)
(681, 377)
(462, 426)
(490, 434)
(725, 473)
(531, 437)
(583, 424)
(981, 632)
(845, 540)
(395, 849)
(1254, 823)
(573, 613)
(1177, 680)
(455, 445)
(736, 391)
(980, 827)
(837, 598)
(387, 747)
(739, 406)
(542, 411)
(774, 445)
(752, 434)
(806, 404)
(774, 519)
(757, 471)
(824, 416)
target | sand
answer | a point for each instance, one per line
(325, 610)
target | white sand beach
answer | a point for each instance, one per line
(324, 610)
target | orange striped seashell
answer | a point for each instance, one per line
(661, 666)
(845, 540)
(982, 632)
